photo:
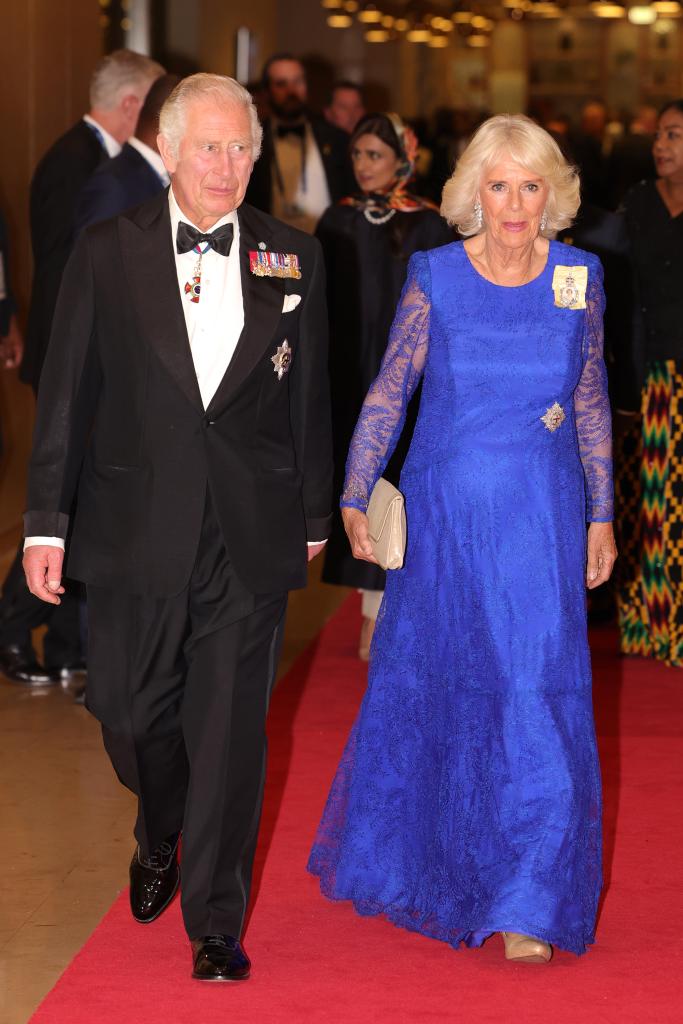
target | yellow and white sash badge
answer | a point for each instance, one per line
(569, 286)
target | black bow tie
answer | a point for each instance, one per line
(282, 130)
(220, 240)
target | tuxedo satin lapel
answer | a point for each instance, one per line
(263, 298)
(150, 267)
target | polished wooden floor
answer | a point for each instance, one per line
(66, 822)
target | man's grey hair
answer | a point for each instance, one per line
(119, 73)
(173, 114)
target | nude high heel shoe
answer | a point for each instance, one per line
(367, 630)
(525, 949)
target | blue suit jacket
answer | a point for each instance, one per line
(116, 186)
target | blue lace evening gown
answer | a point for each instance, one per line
(467, 800)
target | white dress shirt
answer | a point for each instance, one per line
(300, 195)
(215, 323)
(152, 158)
(112, 147)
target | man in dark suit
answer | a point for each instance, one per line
(305, 164)
(137, 173)
(188, 379)
(11, 342)
(117, 90)
(346, 106)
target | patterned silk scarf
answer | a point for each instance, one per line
(379, 207)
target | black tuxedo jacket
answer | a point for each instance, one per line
(116, 186)
(55, 186)
(120, 415)
(334, 150)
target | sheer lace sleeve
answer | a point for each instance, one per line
(591, 405)
(383, 414)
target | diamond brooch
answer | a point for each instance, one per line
(554, 417)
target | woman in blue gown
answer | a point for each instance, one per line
(467, 801)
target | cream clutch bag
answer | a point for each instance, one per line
(387, 524)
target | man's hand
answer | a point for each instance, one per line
(356, 526)
(11, 347)
(602, 554)
(43, 569)
(315, 549)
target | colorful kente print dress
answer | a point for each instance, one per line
(649, 479)
(467, 800)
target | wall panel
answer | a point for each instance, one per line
(47, 53)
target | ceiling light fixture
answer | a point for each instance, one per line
(604, 9)
(339, 20)
(546, 9)
(642, 15)
(419, 33)
(370, 15)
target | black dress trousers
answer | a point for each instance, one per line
(181, 686)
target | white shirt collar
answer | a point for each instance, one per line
(178, 215)
(151, 156)
(112, 147)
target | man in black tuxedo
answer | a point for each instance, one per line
(117, 90)
(137, 173)
(305, 164)
(188, 403)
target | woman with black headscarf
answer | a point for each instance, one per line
(368, 239)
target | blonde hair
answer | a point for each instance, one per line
(221, 88)
(531, 147)
(120, 72)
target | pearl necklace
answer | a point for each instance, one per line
(373, 216)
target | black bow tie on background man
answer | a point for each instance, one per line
(297, 128)
(220, 240)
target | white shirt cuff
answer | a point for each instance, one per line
(54, 542)
(314, 543)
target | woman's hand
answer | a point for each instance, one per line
(602, 554)
(356, 526)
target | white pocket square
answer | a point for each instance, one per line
(290, 303)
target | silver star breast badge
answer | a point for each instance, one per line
(282, 360)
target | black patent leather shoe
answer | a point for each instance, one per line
(154, 880)
(219, 958)
(72, 671)
(19, 665)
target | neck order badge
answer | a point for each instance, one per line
(190, 239)
(193, 288)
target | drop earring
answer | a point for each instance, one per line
(478, 214)
(544, 221)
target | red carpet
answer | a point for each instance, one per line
(316, 961)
